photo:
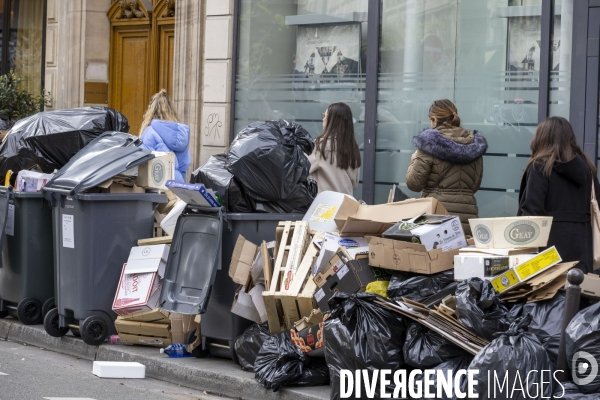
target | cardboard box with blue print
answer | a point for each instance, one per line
(513, 232)
(155, 173)
(194, 194)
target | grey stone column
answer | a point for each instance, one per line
(188, 66)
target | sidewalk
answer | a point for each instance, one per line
(214, 375)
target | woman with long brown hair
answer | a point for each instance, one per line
(335, 162)
(448, 163)
(558, 182)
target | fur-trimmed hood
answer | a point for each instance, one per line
(455, 145)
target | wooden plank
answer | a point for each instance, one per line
(273, 308)
(279, 261)
(304, 271)
(156, 240)
(267, 266)
(295, 258)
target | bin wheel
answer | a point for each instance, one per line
(198, 352)
(94, 330)
(48, 305)
(51, 324)
(29, 311)
(75, 332)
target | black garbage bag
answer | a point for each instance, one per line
(360, 334)
(570, 391)
(249, 344)
(480, 309)
(418, 287)
(268, 159)
(546, 322)
(452, 365)
(281, 363)
(518, 356)
(214, 176)
(424, 348)
(50, 138)
(582, 340)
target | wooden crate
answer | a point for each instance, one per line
(287, 298)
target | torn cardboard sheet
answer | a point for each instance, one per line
(355, 219)
(242, 259)
(542, 286)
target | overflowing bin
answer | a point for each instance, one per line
(27, 268)
(220, 327)
(94, 233)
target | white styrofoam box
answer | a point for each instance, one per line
(119, 370)
(148, 259)
(170, 221)
(322, 212)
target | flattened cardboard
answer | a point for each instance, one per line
(527, 270)
(259, 303)
(314, 318)
(242, 260)
(355, 219)
(156, 316)
(411, 257)
(545, 278)
(146, 259)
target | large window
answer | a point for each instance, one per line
(296, 57)
(22, 40)
(482, 54)
(485, 55)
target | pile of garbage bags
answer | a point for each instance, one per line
(582, 340)
(50, 139)
(265, 170)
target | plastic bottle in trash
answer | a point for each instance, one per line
(176, 351)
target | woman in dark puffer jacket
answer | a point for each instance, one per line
(448, 163)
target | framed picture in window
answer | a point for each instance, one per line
(328, 53)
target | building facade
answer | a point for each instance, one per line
(507, 64)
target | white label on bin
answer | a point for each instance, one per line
(68, 231)
(319, 295)
(342, 272)
(10, 221)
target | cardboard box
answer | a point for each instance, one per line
(143, 259)
(353, 277)
(169, 223)
(164, 208)
(355, 219)
(120, 188)
(243, 305)
(485, 266)
(242, 260)
(31, 181)
(398, 255)
(590, 287)
(309, 339)
(155, 327)
(137, 291)
(526, 270)
(433, 231)
(513, 232)
(194, 193)
(155, 173)
(543, 286)
(331, 243)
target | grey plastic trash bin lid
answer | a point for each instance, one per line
(194, 259)
(4, 198)
(110, 154)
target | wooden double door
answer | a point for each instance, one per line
(142, 42)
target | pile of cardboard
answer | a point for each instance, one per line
(140, 320)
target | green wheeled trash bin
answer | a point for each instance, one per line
(27, 267)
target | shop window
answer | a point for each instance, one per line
(295, 57)
(485, 56)
(22, 25)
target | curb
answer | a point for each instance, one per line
(215, 376)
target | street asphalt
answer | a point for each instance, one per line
(31, 373)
